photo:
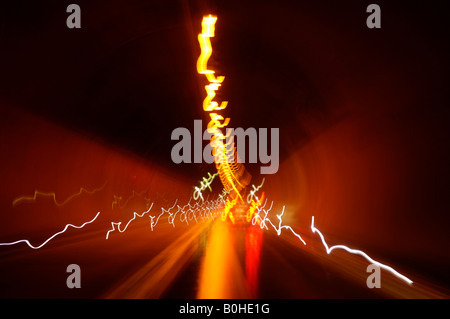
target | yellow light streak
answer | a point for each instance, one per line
(208, 104)
(230, 172)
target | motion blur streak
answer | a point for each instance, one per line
(253, 245)
(153, 278)
(221, 274)
(45, 242)
(57, 159)
(231, 173)
(363, 117)
(358, 252)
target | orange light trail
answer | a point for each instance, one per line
(230, 174)
(220, 274)
(227, 210)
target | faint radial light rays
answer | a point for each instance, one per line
(27, 199)
(50, 238)
(154, 278)
(226, 213)
(358, 252)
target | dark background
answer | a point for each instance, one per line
(128, 75)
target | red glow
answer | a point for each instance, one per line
(253, 244)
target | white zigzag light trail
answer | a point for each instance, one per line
(358, 252)
(280, 220)
(328, 249)
(126, 226)
(53, 236)
(212, 207)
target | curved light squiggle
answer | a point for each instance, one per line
(45, 242)
(230, 171)
(204, 183)
(358, 252)
(263, 220)
(204, 211)
(126, 226)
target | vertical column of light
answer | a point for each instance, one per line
(228, 171)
